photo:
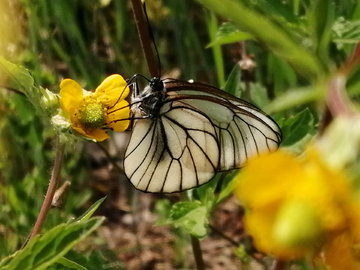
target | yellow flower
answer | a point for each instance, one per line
(91, 112)
(300, 208)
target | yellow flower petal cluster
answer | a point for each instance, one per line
(90, 113)
(299, 208)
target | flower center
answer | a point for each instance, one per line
(92, 115)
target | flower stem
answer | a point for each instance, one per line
(280, 265)
(144, 35)
(50, 191)
(195, 243)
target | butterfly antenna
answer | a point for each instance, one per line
(152, 38)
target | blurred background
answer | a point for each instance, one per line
(87, 40)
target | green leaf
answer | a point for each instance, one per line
(19, 75)
(97, 259)
(233, 83)
(206, 192)
(297, 127)
(228, 186)
(191, 216)
(294, 98)
(269, 33)
(43, 251)
(320, 20)
(219, 61)
(90, 211)
(228, 33)
(66, 264)
(346, 32)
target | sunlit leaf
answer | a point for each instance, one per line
(294, 98)
(346, 32)
(191, 216)
(90, 211)
(228, 33)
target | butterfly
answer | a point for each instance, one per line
(183, 133)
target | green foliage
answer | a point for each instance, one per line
(42, 251)
(232, 85)
(346, 32)
(296, 46)
(191, 216)
(275, 37)
(228, 33)
(297, 127)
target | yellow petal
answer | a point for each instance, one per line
(260, 225)
(119, 112)
(80, 131)
(71, 94)
(112, 90)
(98, 134)
(339, 254)
(267, 179)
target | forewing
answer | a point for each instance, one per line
(176, 151)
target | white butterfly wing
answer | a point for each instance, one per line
(199, 131)
(177, 151)
(241, 130)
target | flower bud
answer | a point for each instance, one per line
(297, 225)
(50, 103)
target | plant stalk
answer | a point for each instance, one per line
(144, 35)
(195, 243)
(46, 206)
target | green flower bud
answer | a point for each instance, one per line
(50, 103)
(297, 225)
(60, 123)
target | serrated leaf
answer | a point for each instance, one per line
(297, 127)
(191, 216)
(228, 33)
(43, 251)
(233, 83)
(90, 211)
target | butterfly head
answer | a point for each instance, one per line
(156, 84)
(149, 101)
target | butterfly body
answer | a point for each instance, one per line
(186, 132)
(151, 99)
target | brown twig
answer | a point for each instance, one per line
(50, 191)
(144, 36)
(224, 236)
